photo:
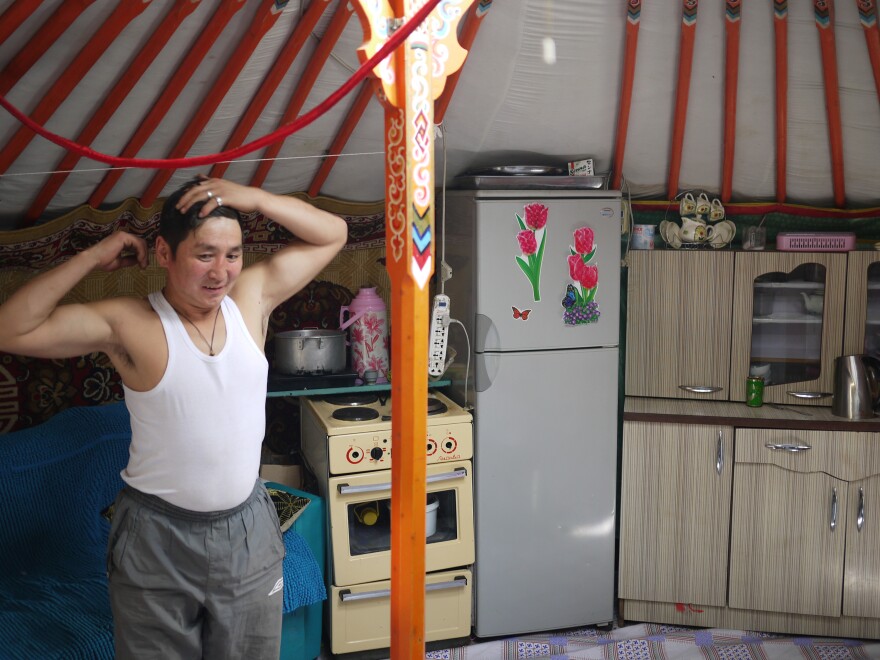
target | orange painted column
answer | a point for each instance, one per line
(732, 16)
(685, 63)
(868, 19)
(633, 18)
(823, 11)
(411, 80)
(409, 216)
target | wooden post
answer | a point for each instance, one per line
(411, 80)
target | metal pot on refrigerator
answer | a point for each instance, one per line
(856, 386)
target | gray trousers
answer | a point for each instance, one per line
(185, 584)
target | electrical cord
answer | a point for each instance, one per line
(627, 226)
(442, 130)
(467, 368)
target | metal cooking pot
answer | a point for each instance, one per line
(310, 351)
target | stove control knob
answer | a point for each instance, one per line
(377, 454)
(432, 447)
(354, 455)
(449, 445)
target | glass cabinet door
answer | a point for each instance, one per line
(787, 324)
(872, 316)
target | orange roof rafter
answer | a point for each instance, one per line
(194, 56)
(64, 84)
(273, 79)
(111, 102)
(262, 22)
(348, 125)
(306, 83)
(35, 48)
(469, 28)
(16, 14)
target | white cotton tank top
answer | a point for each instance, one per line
(196, 437)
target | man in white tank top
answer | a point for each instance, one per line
(195, 553)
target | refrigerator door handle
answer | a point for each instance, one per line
(483, 327)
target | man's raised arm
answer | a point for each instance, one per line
(33, 323)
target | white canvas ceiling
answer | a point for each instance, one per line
(510, 105)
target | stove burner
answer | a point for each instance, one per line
(352, 399)
(436, 406)
(355, 414)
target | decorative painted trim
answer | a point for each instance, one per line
(634, 11)
(689, 13)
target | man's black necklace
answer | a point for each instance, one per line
(209, 344)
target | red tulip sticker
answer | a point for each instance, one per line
(530, 245)
(579, 303)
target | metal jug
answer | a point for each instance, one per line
(856, 386)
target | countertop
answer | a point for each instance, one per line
(729, 413)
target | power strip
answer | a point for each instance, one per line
(439, 334)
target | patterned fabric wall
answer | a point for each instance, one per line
(33, 390)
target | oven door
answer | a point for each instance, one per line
(360, 517)
(360, 616)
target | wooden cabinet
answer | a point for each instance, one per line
(861, 592)
(678, 326)
(675, 512)
(784, 538)
(862, 328)
(700, 322)
(782, 324)
(797, 545)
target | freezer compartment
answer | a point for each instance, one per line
(360, 615)
(509, 300)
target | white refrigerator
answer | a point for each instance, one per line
(536, 283)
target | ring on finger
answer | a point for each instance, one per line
(210, 194)
(219, 200)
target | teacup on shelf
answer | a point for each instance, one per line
(687, 206)
(703, 204)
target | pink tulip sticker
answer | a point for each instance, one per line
(580, 306)
(530, 245)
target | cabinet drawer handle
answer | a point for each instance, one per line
(833, 509)
(719, 453)
(860, 514)
(810, 395)
(787, 446)
(346, 596)
(699, 389)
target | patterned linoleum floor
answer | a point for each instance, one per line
(662, 642)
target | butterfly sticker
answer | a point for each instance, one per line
(570, 297)
(522, 315)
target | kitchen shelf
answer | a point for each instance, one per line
(379, 387)
(785, 360)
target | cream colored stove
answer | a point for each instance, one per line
(346, 443)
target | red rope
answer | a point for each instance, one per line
(282, 132)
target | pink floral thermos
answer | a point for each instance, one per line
(368, 332)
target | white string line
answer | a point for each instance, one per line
(231, 162)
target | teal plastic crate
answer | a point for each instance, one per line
(301, 629)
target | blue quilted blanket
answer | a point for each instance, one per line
(55, 480)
